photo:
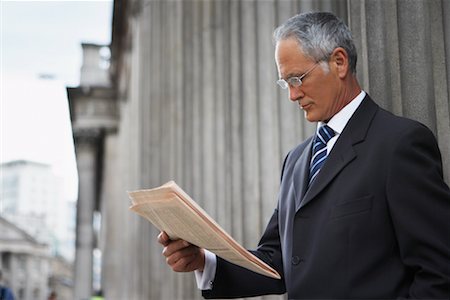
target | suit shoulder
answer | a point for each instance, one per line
(294, 154)
(299, 149)
(397, 125)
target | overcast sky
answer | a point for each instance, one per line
(40, 55)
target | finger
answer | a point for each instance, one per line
(186, 264)
(174, 246)
(181, 254)
(163, 238)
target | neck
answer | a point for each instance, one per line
(352, 89)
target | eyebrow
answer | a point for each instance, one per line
(293, 75)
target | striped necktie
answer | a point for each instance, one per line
(319, 153)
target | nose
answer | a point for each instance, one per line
(295, 93)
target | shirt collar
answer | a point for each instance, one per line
(340, 120)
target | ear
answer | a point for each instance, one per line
(339, 58)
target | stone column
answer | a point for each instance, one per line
(94, 114)
(86, 142)
(199, 105)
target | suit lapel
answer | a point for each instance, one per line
(300, 174)
(343, 151)
(336, 161)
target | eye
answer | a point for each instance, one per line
(295, 81)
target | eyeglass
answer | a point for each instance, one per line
(294, 81)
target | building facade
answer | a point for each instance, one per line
(94, 117)
(25, 262)
(36, 233)
(196, 101)
(32, 198)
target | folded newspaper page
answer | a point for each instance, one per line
(171, 210)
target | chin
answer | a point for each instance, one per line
(310, 118)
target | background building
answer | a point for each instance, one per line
(25, 263)
(60, 279)
(37, 231)
(193, 98)
(32, 199)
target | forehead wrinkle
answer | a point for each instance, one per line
(288, 55)
(294, 74)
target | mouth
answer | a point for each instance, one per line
(305, 106)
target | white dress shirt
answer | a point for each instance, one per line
(338, 122)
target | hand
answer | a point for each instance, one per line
(180, 255)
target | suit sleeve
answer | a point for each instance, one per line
(419, 203)
(233, 281)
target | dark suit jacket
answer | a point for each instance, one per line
(374, 224)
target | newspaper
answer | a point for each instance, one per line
(171, 210)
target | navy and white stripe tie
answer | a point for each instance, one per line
(319, 153)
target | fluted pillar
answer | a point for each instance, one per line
(403, 59)
(199, 105)
(94, 116)
(86, 147)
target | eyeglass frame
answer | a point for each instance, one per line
(284, 84)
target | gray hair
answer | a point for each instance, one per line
(318, 34)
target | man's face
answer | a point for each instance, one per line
(319, 92)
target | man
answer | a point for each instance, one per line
(5, 292)
(363, 211)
